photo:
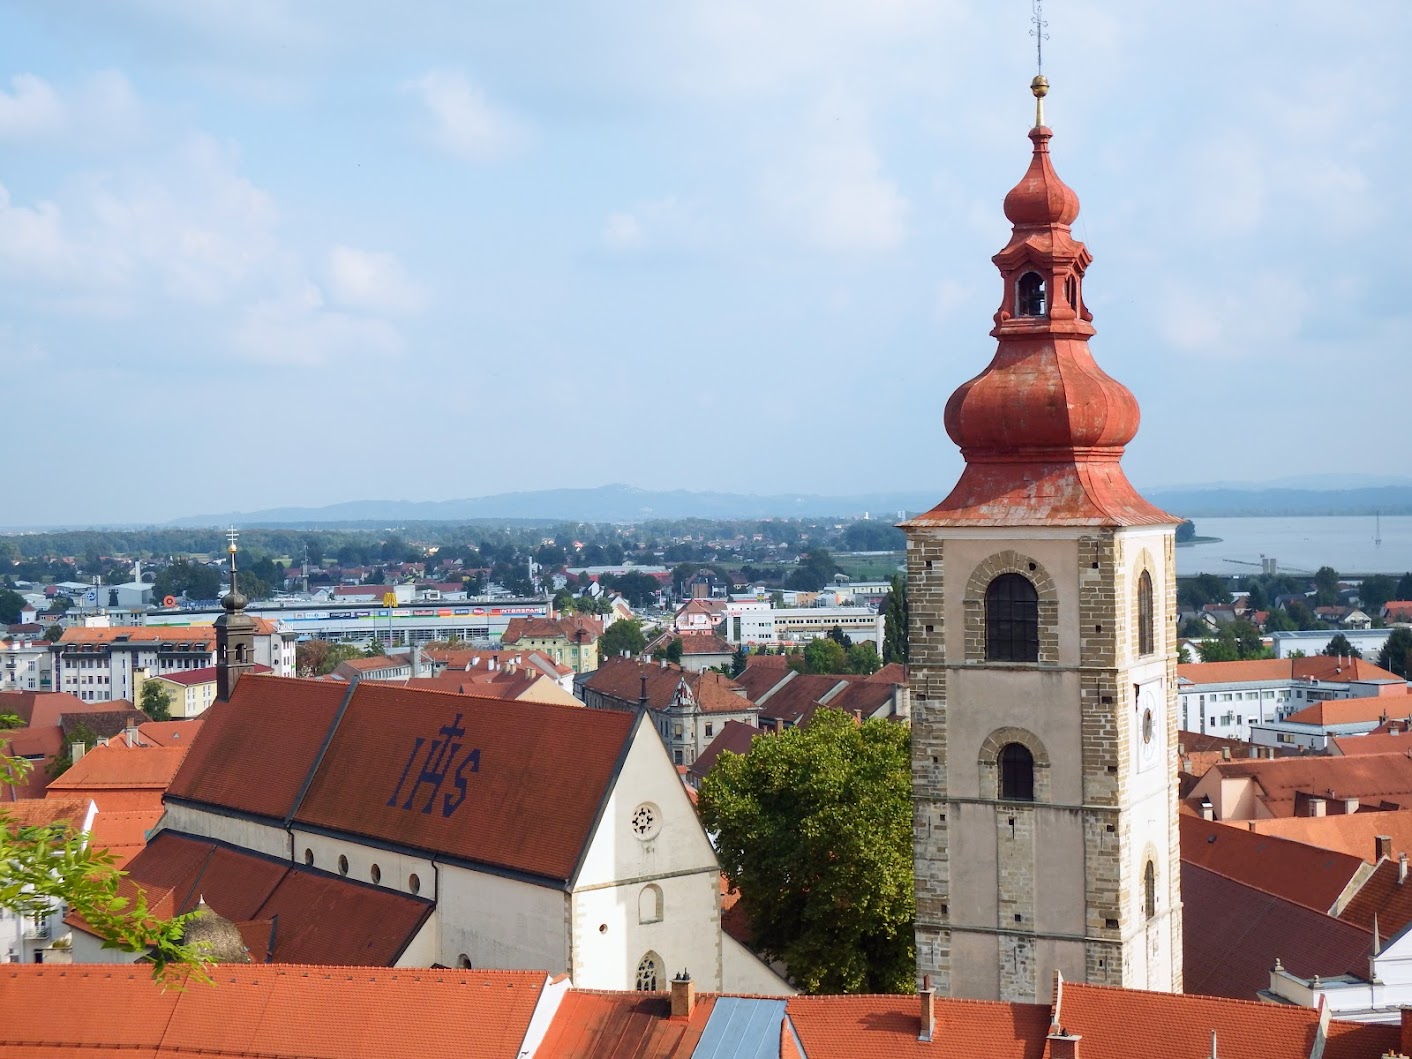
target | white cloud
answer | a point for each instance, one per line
(31, 109)
(1257, 320)
(668, 223)
(296, 329)
(831, 190)
(369, 281)
(464, 122)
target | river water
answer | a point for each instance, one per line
(1300, 545)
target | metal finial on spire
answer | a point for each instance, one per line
(1040, 85)
(232, 535)
(1039, 33)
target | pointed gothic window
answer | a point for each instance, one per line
(1016, 773)
(1149, 890)
(1011, 620)
(1029, 295)
(648, 971)
(1144, 613)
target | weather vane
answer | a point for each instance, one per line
(1038, 33)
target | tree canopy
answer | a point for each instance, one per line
(155, 702)
(895, 617)
(1339, 647)
(44, 866)
(814, 827)
(623, 635)
(1396, 653)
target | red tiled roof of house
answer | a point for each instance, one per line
(42, 708)
(863, 699)
(886, 1027)
(123, 833)
(288, 1012)
(1233, 933)
(735, 736)
(169, 733)
(1352, 833)
(717, 693)
(567, 628)
(792, 704)
(1119, 1023)
(757, 680)
(323, 919)
(705, 644)
(621, 678)
(367, 665)
(892, 673)
(1305, 875)
(205, 675)
(46, 812)
(1314, 667)
(1374, 779)
(109, 768)
(754, 661)
(1332, 712)
(1398, 609)
(1382, 895)
(509, 762)
(600, 1025)
(1373, 743)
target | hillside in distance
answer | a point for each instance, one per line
(624, 503)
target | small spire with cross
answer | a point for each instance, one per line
(232, 535)
(1040, 85)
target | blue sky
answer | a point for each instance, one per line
(256, 253)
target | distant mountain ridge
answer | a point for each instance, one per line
(624, 503)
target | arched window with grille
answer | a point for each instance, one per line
(1149, 890)
(1011, 620)
(1016, 773)
(1145, 638)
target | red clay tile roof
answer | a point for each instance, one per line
(794, 703)
(552, 629)
(1372, 778)
(41, 708)
(594, 1025)
(1233, 933)
(508, 763)
(123, 833)
(886, 1027)
(705, 645)
(322, 919)
(892, 673)
(170, 733)
(1372, 709)
(111, 769)
(1314, 667)
(205, 675)
(46, 812)
(271, 1012)
(1121, 1023)
(254, 757)
(621, 679)
(864, 699)
(1305, 875)
(1382, 895)
(734, 736)
(1353, 833)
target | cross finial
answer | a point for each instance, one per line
(1039, 33)
(232, 535)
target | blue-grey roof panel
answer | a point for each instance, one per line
(742, 1028)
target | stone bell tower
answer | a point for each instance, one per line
(1043, 652)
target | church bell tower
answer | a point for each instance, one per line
(1043, 652)
(235, 635)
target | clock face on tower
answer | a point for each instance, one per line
(1148, 725)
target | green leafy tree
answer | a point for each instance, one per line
(825, 655)
(1303, 615)
(640, 589)
(895, 617)
(863, 658)
(61, 762)
(11, 603)
(1375, 591)
(1186, 531)
(1396, 653)
(1325, 586)
(53, 633)
(814, 827)
(673, 652)
(815, 570)
(622, 636)
(1219, 649)
(738, 661)
(319, 658)
(1339, 647)
(186, 578)
(1202, 589)
(1280, 621)
(838, 636)
(155, 702)
(1404, 586)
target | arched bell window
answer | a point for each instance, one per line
(1011, 620)
(1016, 773)
(1030, 295)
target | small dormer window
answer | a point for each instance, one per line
(1029, 295)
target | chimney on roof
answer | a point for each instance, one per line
(927, 995)
(1208, 811)
(683, 996)
(1063, 1044)
(130, 732)
(1350, 806)
(1317, 806)
(1401, 868)
(642, 695)
(1225, 753)
(1382, 847)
